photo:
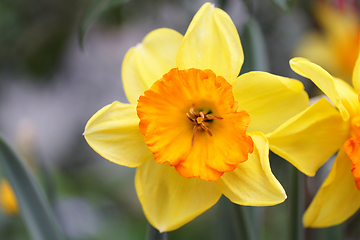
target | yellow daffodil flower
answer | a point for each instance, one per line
(335, 47)
(8, 200)
(339, 196)
(193, 128)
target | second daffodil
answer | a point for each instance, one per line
(339, 196)
(193, 128)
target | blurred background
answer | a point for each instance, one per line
(60, 62)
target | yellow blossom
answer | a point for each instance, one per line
(8, 200)
(338, 130)
(336, 45)
(193, 128)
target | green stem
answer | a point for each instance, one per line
(331, 233)
(154, 234)
(296, 205)
(235, 222)
(246, 224)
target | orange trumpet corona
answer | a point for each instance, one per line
(352, 149)
(214, 141)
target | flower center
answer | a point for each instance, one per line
(199, 120)
(352, 148)
(190, 119)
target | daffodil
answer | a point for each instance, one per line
(193, 128)
(336, 45)
(8, 200)
(322, 130)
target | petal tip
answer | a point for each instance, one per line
(296, 60)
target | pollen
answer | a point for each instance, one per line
(189, 119)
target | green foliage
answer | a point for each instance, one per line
(254, 48)
(283, 5)
(237, 222)
(296, 205)
(34, 208)
(34, 34)
(95, 9)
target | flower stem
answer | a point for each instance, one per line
(331, 233)
(235, 222)
(154, 234)
(246, 224)
(296, 205)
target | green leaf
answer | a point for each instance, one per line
(34, 208)
(254, 45)
(284, 5)
(95, 9)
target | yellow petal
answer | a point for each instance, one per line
(168, 199)
(252, 182)
(114, 133)
(322, 79)
(349, 98)
(270, 100)
(149, 61)
(212, 42)
(356, 74)
(337, 199)
(308, 139)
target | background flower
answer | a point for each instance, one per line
(336, 44)
(8, 201)
(338, 197)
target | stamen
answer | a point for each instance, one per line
(211, 117)
(192, 110)
(190, 118)
(206, 129)
(199, 120)
(193, 136)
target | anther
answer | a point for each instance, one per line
(199, 120)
